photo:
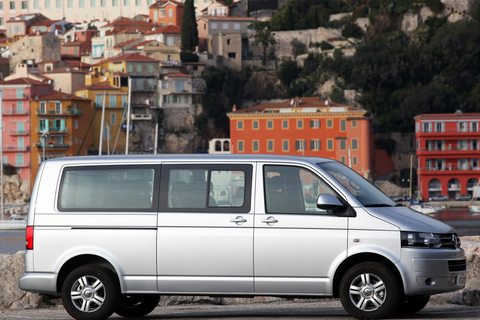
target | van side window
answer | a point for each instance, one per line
(290, 189)
(221, 188)
(108, 188)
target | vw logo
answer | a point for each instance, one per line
(455, 241)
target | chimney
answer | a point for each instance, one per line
(234, 107)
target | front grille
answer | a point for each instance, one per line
(449, 241)
(457, 265)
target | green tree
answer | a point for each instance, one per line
(189, 27)
(288, 72)
(263, 36)
(290, 19)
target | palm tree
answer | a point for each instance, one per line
(263, 36)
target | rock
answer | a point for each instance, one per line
(11, 297)
(12, 268)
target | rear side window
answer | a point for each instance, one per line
(206, 188)
(109, 188)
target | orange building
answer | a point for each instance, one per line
(59, 125)
(166, 13)
(305, 126)
(448, 153)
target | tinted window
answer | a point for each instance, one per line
(108, 188)
(200, 188)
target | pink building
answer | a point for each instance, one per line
(17, 94)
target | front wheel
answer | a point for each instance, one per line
(90, 293)
(131, 306)
(370, 290)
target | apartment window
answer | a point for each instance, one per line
(186, 99)
(115, 3)
(150, 67)
(179, 86)
(2, 21)
(427, 127)
(255, 146)
(58, 108)
(70, 4)
(1, 5)
(113, 118)
(342, 125)
(236, 26)
(329, 144)
(255, 125)
(161, 13)
(43, 108)
(214, 26)
(240, 146)
(232, 55)
(355, 160)
(239, 125)
(462, 145)
(175, 99)
(314, 123)
(19, 160)
(12, 5)
(75, 124)
(47, 4)
(343, 144)
(299, 124)
(354, 123)
(284, 124)
(474, 163)
(19, 107)
(285, 146)
(474, 126)
(315, 145)
(92, 4)
(113, 100)
(270, 145)
(103, 3)
(228, 41)
(139, 68)
(24, 5)
(355, 144)
(270, 124)
(138, 3)
(439, 127)
(342, 159)
(170, 13)
(19, 93)
(58, 4)
(462, 127)
(300, 145)
(225, 26)
(329, 123)
(474, 144)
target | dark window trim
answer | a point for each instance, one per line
(247, 168)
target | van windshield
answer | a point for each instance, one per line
(358, 186)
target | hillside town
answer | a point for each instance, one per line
(97, 77)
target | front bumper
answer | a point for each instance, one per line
(432, 271)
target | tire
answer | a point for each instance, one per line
(90, 293)
(370, 290)
(132, 306)
(411, 305)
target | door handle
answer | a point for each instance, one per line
(239, 220)
(270, 221)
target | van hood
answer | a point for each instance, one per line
(410, 220)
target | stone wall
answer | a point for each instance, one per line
(12, 268)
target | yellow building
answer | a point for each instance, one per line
(59, 127)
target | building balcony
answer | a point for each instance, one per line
(448, 133)
(14, 111)
(449, 170)
(52, 130)
(51, 145)
(15, 148)
(13, 96)
(18, 132)
(25, 164)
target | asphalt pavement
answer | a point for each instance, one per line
(303, 310)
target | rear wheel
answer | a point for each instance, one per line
(90, 293)
(369, 290)
(410, 305)
(137, 305)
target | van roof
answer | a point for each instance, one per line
(187, 157)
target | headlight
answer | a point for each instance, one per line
(421, 240)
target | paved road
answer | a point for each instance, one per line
(302, 310)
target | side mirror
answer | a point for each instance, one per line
(326, 201)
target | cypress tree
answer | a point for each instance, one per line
(290, 19)
(189, 27)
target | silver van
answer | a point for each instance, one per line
(113, 233)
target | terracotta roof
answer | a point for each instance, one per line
(79, 64)
(127, 57)
(308, 102)
(144, 43)
(76, 43)
(165, 29)
(57, 95)
(66, 70)
(21, 81)
(48, 61)
(178, 75)
(448, 115)
(125, 43)
(162, 3)
(123, 23)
